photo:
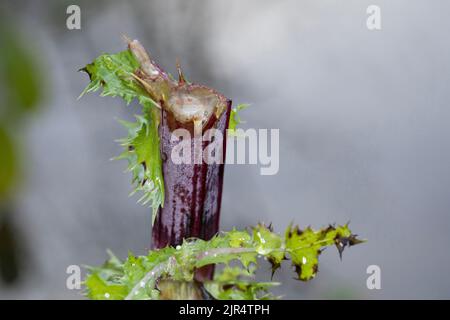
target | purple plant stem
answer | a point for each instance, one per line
(193, 191)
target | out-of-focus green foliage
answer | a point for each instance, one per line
(21, 91)
(8, 170)
(20, 79)
(9, 247)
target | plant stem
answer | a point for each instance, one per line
(193, 191)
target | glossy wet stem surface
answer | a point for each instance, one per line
(193, 192)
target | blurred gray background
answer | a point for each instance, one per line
(364, 136)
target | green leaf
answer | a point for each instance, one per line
(99, 289)
(269, 243)
(8, 164)
(134, 269)
(113, 74)
(139, 275)
(104, 283)
(235, 119)
(234, 283)
(238, 239)
(144, 160)
(305, 246)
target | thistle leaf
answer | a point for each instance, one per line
(235, 119)
(114, 75)
(137, 277)
(305, 246)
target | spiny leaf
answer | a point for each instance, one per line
(99, 289)
(235, 283)
(104, 283)
(139, 275)
(267, 244)
(304, 246)
(113, 73)
(235, 119)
